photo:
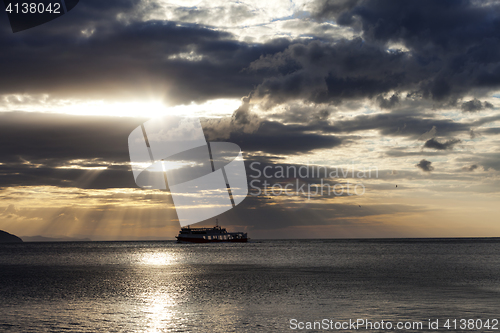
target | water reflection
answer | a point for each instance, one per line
(168, 287)
(159, 312)
(159, 289)
(159, 257)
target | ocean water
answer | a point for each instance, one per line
(255, 287)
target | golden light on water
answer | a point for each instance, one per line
(157, 258)
(159, 312)
(160, 297)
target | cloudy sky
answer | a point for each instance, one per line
(408, 88)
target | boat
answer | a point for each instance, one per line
(215, 234)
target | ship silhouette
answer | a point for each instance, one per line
(215, 234)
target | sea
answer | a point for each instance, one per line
(259, 286)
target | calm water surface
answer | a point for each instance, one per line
(253, 287)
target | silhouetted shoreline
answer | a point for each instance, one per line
(5, 237)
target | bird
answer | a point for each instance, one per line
(396, 185)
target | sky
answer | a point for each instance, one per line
(407, 89)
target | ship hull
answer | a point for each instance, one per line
(202, 240)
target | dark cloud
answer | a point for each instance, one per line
(395, 125)
(276, 138)
(492, 130)
(329, 72)
(470, 168)
(254, 134)
(34, 147)
(475, 105)
(388, 103)
(61, 150)
(472, 106)
(434, 144)
(425, 165)
(424, 25)
(404, 124)
(54, 138)
(455, 44)
(107, 51)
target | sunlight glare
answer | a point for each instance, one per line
(157, 258)
(150, 108)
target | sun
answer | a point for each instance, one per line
(150, 108)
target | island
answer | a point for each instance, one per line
(5, 237)
(53, 239)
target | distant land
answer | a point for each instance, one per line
(53, 239)
(5, 237)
